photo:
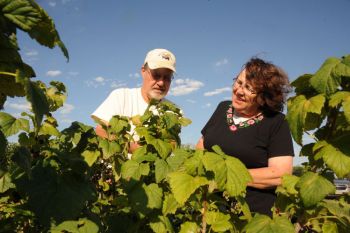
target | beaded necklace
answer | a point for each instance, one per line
(251, 121)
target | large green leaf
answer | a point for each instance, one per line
(11, 125)
(90, 157)
(343, 68)
(155, 196)
(314, 188)
(36, 96)
(170, 204)
(118, 124)
(334, 158)
(183, 185)
(161, 170)
(21, 13)
(55, 196)
(324, 81)
(161, 224)
(342, 97)
(133, 169)
(83, 225)
(23, 158)
(48, 129)
(109, 148)
(6, 183)
(264, 224)
(163, 148)
(302, 85)
(338, 209)
(189, 227)
(219, 222)
(230, 173)
(298, 110)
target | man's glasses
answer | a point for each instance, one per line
(246, 87)
(157, 76)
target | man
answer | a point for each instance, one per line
(157, 72)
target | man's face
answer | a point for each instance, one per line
(156, 83)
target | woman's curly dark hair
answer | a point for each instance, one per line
(270, 83)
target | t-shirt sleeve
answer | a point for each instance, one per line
(109, 106)
(281, 143)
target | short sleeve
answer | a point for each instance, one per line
(281, 143)
(109, 106)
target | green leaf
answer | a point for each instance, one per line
(84, 225)
(338, 97)
(314, 188)
(183, 185)
(219, 222)
(11, 125)
(161, 225)
(6, 183)
(289, 182)
(21, 13)
(170, 205)
(48, 129)
(264, 224)
(324, 81)
(23, 158)
(161, 170)
(230, 173)
(302, 85)
(334, 158)
(133, 169)
(175, 161)
(36, 96)
(109, 148)
(163, 148)
(338, 209)
(189, 227)
(329, 227)
(3, 145)
(90, 157)
(298, 110)
(155, 196)
(194, 164)
(119, 124)
(185, 121)
(343, 68)
(52, 195)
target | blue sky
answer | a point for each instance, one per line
(108, 40)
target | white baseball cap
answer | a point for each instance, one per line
(160, 58)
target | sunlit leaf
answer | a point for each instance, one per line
(6, 182)
(302, 85)
(161, 224)
(90, 157)
(161, 170)
(48, 129)
(298, 108)
(183, 185)
(185, 121)
(189, 227)
(82, 226)
(155, 196)
(118, 124)
(323, 80)
(219, 222)
(289, 182)
(329, 226)
(11, 125)
(133, 169)
(334, 158)
(163, 148)
(264, 224)
(314, 188)
(170, 205)
(109, 148)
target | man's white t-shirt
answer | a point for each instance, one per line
(123, 102)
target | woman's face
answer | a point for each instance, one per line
(244, 96)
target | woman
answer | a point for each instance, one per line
(252, 128)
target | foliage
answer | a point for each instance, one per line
(320, 110)
(70, 180)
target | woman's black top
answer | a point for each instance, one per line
(253, 145)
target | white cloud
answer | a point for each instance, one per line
(19, 106)
(32, 53)
(66, 109)
(207, 105)
(53, 73)
(115, 84)
(185, 86)
(221, 62)
(217, 91)
(99, 79)
(52, 3)
(134, 75)
(191, 101)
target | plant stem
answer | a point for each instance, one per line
(8, 73)
(205, 207)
